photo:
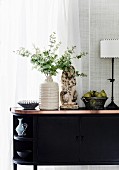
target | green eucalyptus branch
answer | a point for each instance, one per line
(65, 62)
(48, 61)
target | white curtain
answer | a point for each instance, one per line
(23, 23)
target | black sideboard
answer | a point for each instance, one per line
(81, 137)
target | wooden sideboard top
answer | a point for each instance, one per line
(18, 110)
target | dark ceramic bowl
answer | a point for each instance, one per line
(28, 105)
(94, 103)
(24, 153)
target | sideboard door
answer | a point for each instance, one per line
(99, 139)
(58, 140)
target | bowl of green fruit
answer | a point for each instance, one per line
(94, 100)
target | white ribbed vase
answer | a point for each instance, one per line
(49, 95)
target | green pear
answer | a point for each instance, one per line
(103, 93)
(96, 93)
(92, 93)
(88, 94)
(99, 95)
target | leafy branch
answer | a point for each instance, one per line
(65, 62)
(48, 61)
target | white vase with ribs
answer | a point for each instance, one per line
(49, 95)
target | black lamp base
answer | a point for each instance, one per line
(112, 106)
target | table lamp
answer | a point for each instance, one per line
(109, 48)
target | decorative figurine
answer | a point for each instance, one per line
(68, 95)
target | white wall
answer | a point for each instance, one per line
(100, 21)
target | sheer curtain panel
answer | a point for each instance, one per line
(22, 24)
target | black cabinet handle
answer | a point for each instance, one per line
(77, 137)
(82, 138)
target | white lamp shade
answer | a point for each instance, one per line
(109, 48)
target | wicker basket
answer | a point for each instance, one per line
(95, 103)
